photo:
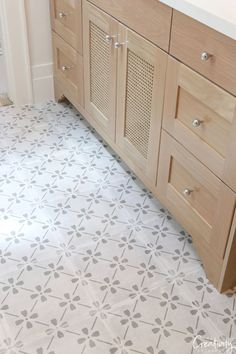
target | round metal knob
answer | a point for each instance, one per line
(117, 45)
(187, 192)
(196, 123)
(205, 56)
(108, 39)
(62, 15)
(64, 68)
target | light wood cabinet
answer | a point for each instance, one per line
(173, 124)
(140, 95)
(66, 19)
(100, 65)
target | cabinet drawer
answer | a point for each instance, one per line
(190, 39)
(149, 18)
(201, 116)
(66, 20)
(68, 69)
(197, 198)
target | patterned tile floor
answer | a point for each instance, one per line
(90, 262)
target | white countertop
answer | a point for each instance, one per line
(217, 14)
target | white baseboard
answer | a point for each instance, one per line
(42, 80)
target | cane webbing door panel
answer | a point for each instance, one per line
(100, 58)
(141, 78)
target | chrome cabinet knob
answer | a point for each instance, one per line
(117, 45)
(67, 68)
(187, 192)
(108, 39)
(196, 123)
(205, 56)
(62, 15)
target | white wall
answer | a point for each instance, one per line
(40, 46)
(3, 74)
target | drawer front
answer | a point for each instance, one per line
(66, 18)
(149, 18)
(197, 198)
(201, 116)
(68, 69)
(190, 39)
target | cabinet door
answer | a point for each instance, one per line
(100, 65)
(141, 80)
(66, 21)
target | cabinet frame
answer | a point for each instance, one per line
(228, 275)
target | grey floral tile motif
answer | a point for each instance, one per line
(90, 261)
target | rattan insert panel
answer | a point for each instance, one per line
(100, 66)
(139, 89)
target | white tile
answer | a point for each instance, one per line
(90, 262)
